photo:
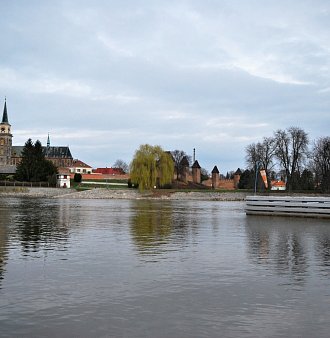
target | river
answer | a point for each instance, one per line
(141, 268)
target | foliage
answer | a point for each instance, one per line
(77, 178)
(247, 179)
(178, 156)
(33, 166)
(290, 148)
(132, 185)
(291, 151)
(306, 181)
(151, 166)
(121, 165)
(204, 175)
(52, 180)
(230, 175)
(261, 153)
(321, 163)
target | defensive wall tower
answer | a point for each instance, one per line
(196, 172)
(215, 177)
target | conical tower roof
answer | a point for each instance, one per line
(215, 170)
(5, 115)
(196, 165)
(238, 172)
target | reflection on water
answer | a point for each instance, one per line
(39, 227)
(158, 227)
(150, 228)
(287, 245)
(4, 221)
(99, 268)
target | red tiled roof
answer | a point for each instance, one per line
(80, 164)
(109, 171)
(278, 184)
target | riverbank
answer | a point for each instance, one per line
(132, 194)
(101, 193)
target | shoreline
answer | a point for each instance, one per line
(132, 194)
(128, 194)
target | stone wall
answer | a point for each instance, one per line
(223, 184)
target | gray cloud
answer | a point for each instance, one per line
(107, 76)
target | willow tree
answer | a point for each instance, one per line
(151, 166)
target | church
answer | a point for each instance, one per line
(11, 155)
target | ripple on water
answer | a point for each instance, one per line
(160, 268)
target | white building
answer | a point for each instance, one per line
(79, 167)
(63, 181)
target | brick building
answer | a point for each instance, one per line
(11, 155)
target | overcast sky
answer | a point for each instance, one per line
(106, 76)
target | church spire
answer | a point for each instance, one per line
(48, 141)
(5, 115)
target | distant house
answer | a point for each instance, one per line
(79, 167)
(278, 185)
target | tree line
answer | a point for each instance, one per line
(290, 155)
(34, 167)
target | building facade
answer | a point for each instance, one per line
(5, 139)
(10, 156)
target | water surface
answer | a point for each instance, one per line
(114, 268)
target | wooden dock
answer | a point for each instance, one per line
(288, 206)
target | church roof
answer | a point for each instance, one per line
(17, 151)
(5, 115)
(57, 152)
(50, 152)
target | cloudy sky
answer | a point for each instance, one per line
(107, 76)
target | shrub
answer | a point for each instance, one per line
(77, 178)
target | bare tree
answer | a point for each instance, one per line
(291, 151)
(263, 154)
(321, 162)
(121, 165)
(178, 156)
(205, 175)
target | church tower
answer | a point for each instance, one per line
(5, 139)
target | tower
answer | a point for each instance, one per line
(237, 177)
(196, 172)
(215, 177)
(5, 139)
